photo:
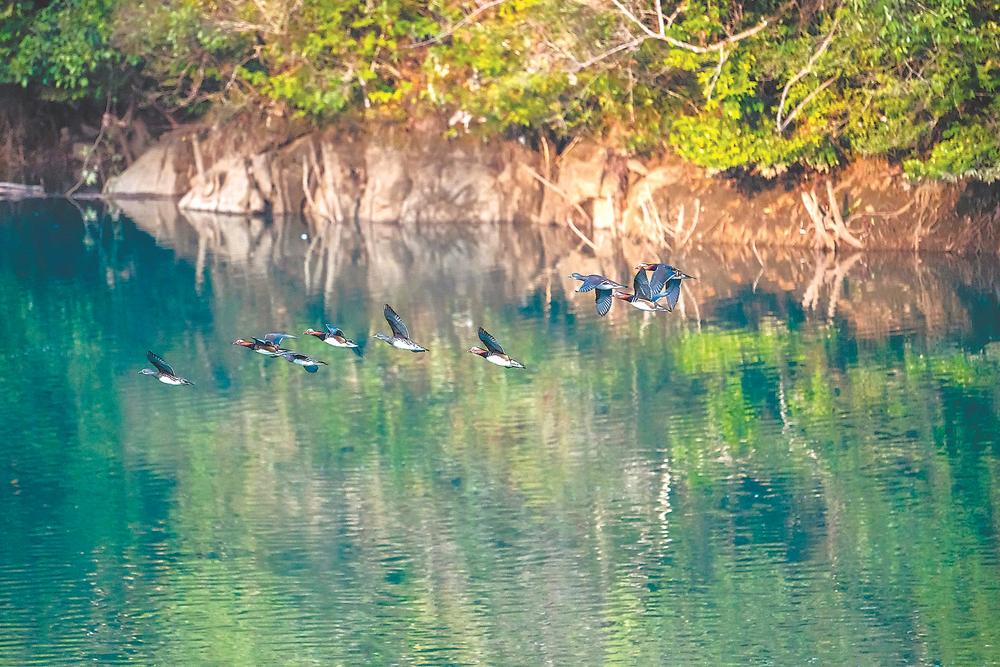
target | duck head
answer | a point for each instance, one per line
(243, 343)
(624, 296)
(649, 266)
(148, 371)
(479, 351)
(312, 332)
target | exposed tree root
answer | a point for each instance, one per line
(829, 227)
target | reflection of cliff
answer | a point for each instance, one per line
(876, 294)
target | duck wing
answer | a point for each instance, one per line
(276, 338)
(589, 282)
(395, 323)
(334, 331)
(640, 285)
(160, 364)
(604, 301)
(661, 274)
(673, 292)
(490, 342)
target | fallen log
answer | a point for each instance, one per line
(19, 191)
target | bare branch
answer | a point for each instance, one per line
(718, 46)
(838, 219)
(632, 17)
(472, 16)
(662, 35)
(715, 77)
(808, 98)
(627, 46)
(569, 219)
(806, 69)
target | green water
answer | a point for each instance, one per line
(800, 465)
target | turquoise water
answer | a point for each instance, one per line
(800, 465)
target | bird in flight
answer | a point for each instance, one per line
(494, 352)
(400, 338)
(162, 371)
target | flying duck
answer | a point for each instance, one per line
(641, 296)
(595, 281)
(163, 372)
(311, 365)
(269, 346)
(332, 336)
(493, 352)
(603, 287)
(400, 338)
(667, 276)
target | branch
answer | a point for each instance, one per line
(732, 39)
(662, 35)
(838, 219)
(468, 18)
(598, 58)
(715, 77)
(809, 98)
(632, 17)
(802, 73)
(105, 121)
(559, 191)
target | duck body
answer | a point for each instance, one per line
(641, 297)
(502, 360)
(269, 346)
(494, 352)
(163, 371)
(400, 343)
(640, 303)
(308, 363)
(595, 281)
(400, 338)
(332, 336)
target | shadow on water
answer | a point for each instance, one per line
(800, 464)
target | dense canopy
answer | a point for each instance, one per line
(761, 86)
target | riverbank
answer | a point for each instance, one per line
(762, 125)
(402, 173)
(412, 172)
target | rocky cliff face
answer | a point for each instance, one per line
(338, 176)
(396, 174)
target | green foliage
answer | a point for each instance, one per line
(63, 47)
(911, 81)
(186, 55)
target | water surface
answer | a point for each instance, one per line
(800, 465)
